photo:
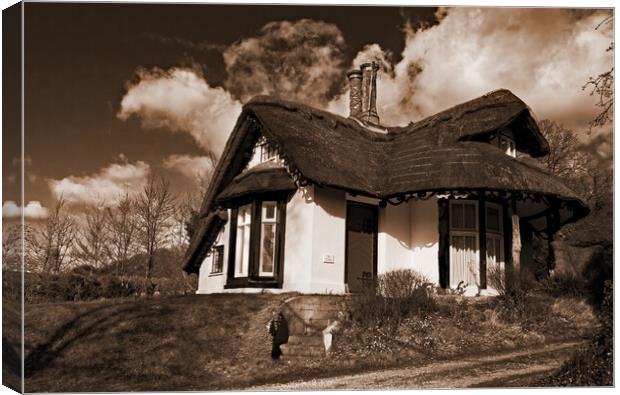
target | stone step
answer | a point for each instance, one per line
(301, 328)
(306, 340)
(302, 350)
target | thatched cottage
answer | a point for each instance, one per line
(305, 200)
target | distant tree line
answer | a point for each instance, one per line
(106, 235)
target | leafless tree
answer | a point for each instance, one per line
(586, 174)
(121, 223)
(52, 245)
(564, 159)
(12, 247)
(92, 241)
(155, 210)
(189, 207)
(602, 86)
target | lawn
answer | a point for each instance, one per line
(197, 342)
(168, 343)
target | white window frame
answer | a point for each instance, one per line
(465, 232)
(243, 240)
(268, 221)
(510, 149)
(214, 254)
(492, 234)
(268, 152)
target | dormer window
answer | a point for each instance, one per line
(504, 141)
(507, 145)
(267, 151)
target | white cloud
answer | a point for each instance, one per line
(33, 210)
(106, 186)
(190, 166)
(181, 100)
(294, 60)
(544, 56)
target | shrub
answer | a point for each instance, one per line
(563, 284)
(496, 278)
(597, 272)
(392, 297)
(593, 364)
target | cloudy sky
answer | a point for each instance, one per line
(115, 92)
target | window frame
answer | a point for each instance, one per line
(244, 265)
(253, 277)
(218, 251)
(483, 236)
(464, 232)
(268, 151)
(264, 220)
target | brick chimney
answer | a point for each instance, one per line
(363, 93)
(355, 93)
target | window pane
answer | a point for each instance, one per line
(239, 250)
(244, 215)
(268, 248)
(470, 216)
(218, 260)
(457, 215)
(493, 219)
(269, 211)
(503, 144)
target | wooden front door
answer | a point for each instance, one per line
(361, 245)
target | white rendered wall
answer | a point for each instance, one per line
(394, 239)
(328, 240)
(213, 283)
(298, 241)
(425, 238)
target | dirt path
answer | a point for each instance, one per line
(513, 369)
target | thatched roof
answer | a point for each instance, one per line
(439, 153)
(263, 178)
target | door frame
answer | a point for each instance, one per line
(375, 210)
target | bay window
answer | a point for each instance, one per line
(258, 239)
(476, 241)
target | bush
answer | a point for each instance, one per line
(592, 365)
(563, 284)
(73, 286)
(597, 272)
(496, 278)
(391, 298)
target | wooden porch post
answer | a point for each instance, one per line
(512, 247)
(443, 255)
(516, 250)
(553, 219)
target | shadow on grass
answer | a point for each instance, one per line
(79, 327)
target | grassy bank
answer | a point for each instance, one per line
(206, 342)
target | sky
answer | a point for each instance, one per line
(116, 92)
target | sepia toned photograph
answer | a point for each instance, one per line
(295, 197)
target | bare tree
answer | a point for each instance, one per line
(12, 247)
(121, 223)
(155, 211)
(92, 241)
(53, 244)
(564, 159)
(602, 86)
(588, 175)
(189, 207)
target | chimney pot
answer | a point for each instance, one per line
(369, 93)
(355, 93)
